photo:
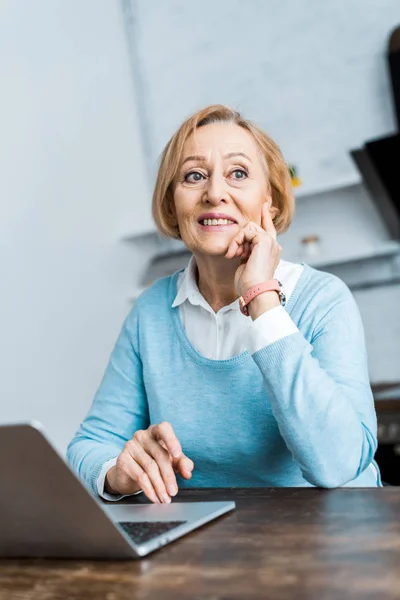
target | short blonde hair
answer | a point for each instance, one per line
(279, 179)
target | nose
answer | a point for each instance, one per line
(216, 190)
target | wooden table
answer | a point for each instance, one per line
(279, 544)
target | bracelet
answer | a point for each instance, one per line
(273, 285)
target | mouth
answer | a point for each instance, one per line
(216, 222)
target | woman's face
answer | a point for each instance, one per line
(222, 176)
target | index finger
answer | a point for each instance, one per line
(266, 220)
(164, 432)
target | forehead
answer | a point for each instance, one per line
(220, 138)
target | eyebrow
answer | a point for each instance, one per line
(203, 158)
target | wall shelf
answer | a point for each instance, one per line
(379, 267)
(388, 249)
(382, 267)
(304, 191)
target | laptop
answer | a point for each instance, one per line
(46, 511)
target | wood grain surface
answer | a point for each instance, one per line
(279, 544)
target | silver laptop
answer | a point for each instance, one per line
(46, 511)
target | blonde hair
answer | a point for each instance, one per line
(279, 179)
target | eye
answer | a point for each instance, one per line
(193, 177)
(239, 174)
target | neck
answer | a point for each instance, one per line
(215, 280)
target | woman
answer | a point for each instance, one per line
(205, 390)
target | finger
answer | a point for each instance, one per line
(185, 467)
(249, 233)
(132, 472)
(247, 250)
(245, 254)
(235, 244)
(165, 432)
(164, 463)
(150, 467)
(239, 251)
(252, 233)
(266, 220)
(264, 208)
(145, 484)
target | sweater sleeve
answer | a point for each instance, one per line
(321, 397)
(119, 409)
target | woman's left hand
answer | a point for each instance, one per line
(259, 251)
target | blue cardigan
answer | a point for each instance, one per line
(298, 412)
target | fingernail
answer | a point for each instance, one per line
(166, 499)
(176, 452)
(172, 490)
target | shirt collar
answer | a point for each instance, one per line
(188, 291)
(188, 288)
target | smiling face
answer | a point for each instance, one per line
(221, 184)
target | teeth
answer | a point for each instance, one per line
(217, 222)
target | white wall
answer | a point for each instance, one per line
(72, 180)
(346, 221)
(312, 73)
(379, 312)
(349, 225)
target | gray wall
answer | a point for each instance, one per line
(313, 74)
(379, 309)
(349, 225)
(73, 180)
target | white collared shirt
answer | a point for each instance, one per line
(227, 333)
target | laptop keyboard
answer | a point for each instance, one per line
(145, 531)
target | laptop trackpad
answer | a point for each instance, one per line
(150, 512)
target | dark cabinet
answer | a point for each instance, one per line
(388, 453)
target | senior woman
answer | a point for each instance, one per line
(242, 369)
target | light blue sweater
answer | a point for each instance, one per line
(298, 412)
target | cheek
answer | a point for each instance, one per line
(185, 200)
(252, 200)
(180, 202)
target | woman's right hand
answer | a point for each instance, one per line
(149, 462)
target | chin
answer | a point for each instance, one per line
(214, 249)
